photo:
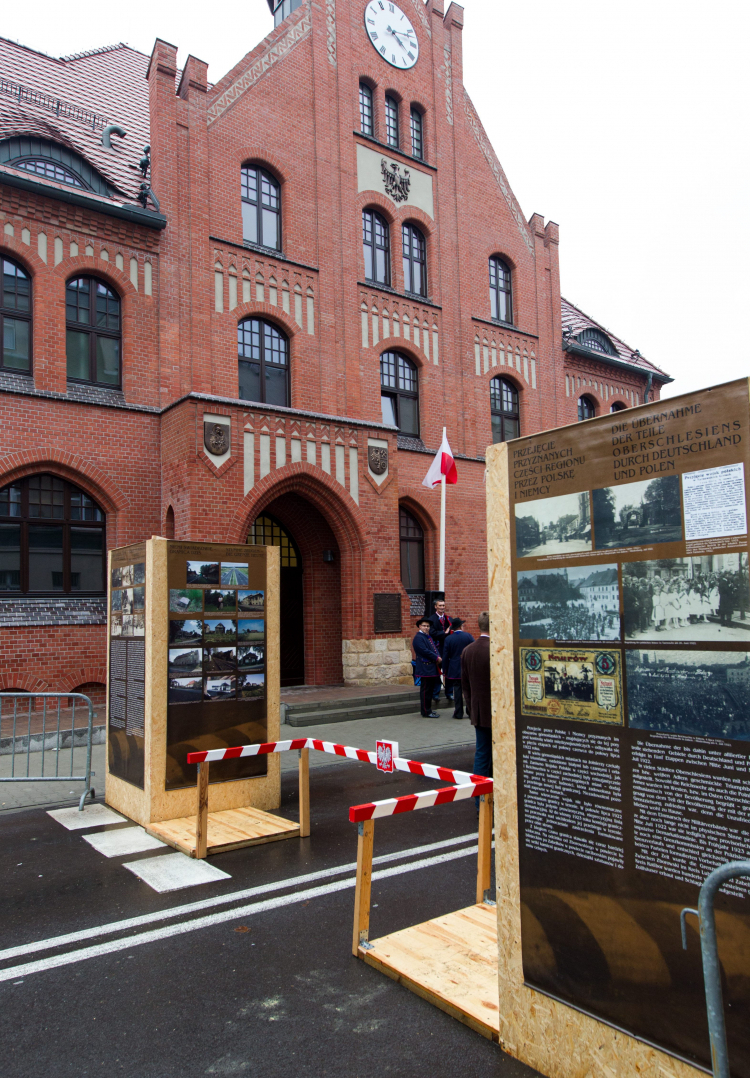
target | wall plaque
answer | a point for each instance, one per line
(387, 612)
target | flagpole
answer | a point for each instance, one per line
(441, 584)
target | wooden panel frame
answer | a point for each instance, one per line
(551, 1036)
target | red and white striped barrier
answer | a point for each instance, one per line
(392, 806)
(429, 771)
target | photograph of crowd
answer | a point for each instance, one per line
(636, 513)
(553, 526)
(569, 604)
(698, 598)
(700, 693)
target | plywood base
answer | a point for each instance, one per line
(227, 830)
(450, 961)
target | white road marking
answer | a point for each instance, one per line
(218, 900)
(92, 816)
(123, 841)
(166, 931)
(175, 870)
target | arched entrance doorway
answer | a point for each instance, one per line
(310, 589)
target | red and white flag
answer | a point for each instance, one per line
(442, 465)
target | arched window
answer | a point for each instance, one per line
(376, 247)
(586, 408)
(600, 342)
(417, 136)
(618, 406)
(411, 539)
(93, 332)
(268, 532)
(399, 392)
(51, 539)
(391, 121)
(15, 319)
(366, 124)
(415, 260)
(263, 354)
(501, 306)
(54, 162)
(261, 207)
(504, 410)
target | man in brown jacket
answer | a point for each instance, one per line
(475, 683)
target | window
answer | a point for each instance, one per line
(376, 248)
(586, 408)
(261, 208)
(51, 161)
(51, 539)
(391, 121)
(415, 264)
(50, 170)
(594, 338)
(15, 319)
(285, 8)
(501, 306)
(399, 397)
(504, 411)
(417, 141)
(618, 406)
(263, 353)
(268, 532)
(92, 316)
(412, 552)
(366, 125)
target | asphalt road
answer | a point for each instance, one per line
(213, 980)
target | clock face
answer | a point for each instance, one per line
(391, 34)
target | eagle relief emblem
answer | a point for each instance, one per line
(216, 438)
(396, 185)
(377, 459)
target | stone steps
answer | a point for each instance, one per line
(367, 707)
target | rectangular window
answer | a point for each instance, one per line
(16, 350)
(108, 361)
(45, 558)
(391, 121)
(365, 110)
(86, 559)
(388, 409)
(10, 557)
(78, 355)
(409, 417)
(250, 381)
(417, 147)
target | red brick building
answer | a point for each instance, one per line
(261, 331)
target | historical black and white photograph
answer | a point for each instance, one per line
(559, 525)
(183, 661)
(220, 660)
(234, 574)
(185, 632)
(185, 600)
(698, 598)
(250, 686)
(579, 603)
(127, 576)
(203, 572)
(220, 688)
(700, 693)
(185, 690)
(139, 572)
(250, 601)
(219, 599)
(139, 599)
(219, 631)
(251, 658)
(637, 513)
(116, 601)
(250, 630)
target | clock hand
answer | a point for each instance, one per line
(397, 38)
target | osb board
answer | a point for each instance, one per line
(227, 830)
(154, 803)
(555, 1039)
(449, 961)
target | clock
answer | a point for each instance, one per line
(391, 34)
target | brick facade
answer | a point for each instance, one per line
(186, 278)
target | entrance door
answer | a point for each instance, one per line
(268, 532)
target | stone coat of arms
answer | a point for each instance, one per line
(396, 185)
(216, 438)
(377, 459)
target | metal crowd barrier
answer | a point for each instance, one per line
(25, 732)
(710, 953)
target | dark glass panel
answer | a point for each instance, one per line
(391, 121)
(78, 301)
(108, 361)
(82, 507)
(16, 288)
(77, 349)
(388, 409)
(250, 381)
(10, 555)
(10, 501)
(408, 415)
(275, 385)
(86, 559)
(46, 497)
(16, 344)
(416, 133)
(365, 109)
(107, 309)
(45, 558)
(407, 375)
(388, 370)
(50, 170)
(249, 222)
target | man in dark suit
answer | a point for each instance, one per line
(440, 627)
(475, 681)
(452, 650)
(427, 666)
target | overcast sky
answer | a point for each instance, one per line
(624, 122)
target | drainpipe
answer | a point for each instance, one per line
(109, 130)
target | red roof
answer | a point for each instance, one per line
(574, 321)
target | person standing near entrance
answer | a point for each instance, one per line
(475, 681)
(427, 666)
(440, 627)
(455, 644)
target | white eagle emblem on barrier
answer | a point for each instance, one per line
(396, 185)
